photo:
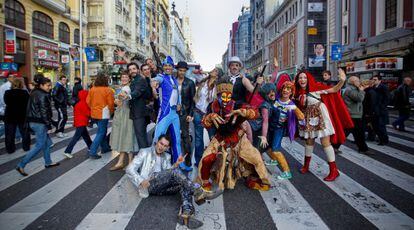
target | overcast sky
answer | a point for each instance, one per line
(210, 23)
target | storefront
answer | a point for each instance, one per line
(46, 58)
(389, 68)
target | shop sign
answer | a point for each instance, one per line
(64, 59)
(315, 7)
(45, 45)
(312, 31)
(379, 63)
(42, 54)
(51, 64)
(10, 40)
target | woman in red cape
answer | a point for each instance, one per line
(326, 117)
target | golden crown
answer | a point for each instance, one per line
(224, 87)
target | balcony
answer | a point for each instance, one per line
(96, 19)
(58, 6)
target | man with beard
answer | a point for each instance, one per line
(141, 93)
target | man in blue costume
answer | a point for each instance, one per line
(170, 104)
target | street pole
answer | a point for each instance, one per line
(81, 43)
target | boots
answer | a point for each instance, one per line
(333, 172)
(305, 167)
(186, 217)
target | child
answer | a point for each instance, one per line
(81, 113)
(279, 120)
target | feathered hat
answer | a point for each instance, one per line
(168, 61)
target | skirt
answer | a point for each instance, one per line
(123, 135)
(318, 122)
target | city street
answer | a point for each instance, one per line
(375, 191)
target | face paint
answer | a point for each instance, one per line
(286, 92)
(224, 98)
(271, 95)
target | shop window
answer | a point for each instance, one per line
(64, 33)
(15, 14)
(76, 37)
(390, 14)
(42, 24)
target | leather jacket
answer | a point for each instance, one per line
(143, 165)
(39, 108)
(187, 97)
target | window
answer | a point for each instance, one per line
(14, 13)
(42, 24)
(345, 35)
(76, 37)
(390, 14)
(64, 33)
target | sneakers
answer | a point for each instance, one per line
(285, 175)
(271, 162)
(65, 135)
(185, 168)
(68, 155)
(60, 135)
(95, 157)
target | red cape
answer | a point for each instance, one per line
(338, 112)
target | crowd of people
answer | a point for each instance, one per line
(244, 117)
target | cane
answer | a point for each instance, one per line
(256, 85)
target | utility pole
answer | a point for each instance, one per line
(81, 43)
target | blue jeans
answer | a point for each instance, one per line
(199, 136)
(80, 132)
(277, 136)
(100, 138)
(171, 122)
(43, 143)
(400, 121)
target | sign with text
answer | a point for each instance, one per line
(10, 39)
(336, 52)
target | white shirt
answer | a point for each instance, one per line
(3, 88)
(174, 94)
(157, 166)
(234, 78)
(203, 102)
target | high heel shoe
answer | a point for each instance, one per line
(116, 167)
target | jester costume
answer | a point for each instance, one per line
(230, 155)
(168, 118)
(279, 120)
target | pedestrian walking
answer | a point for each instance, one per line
(81, 113)
(380, 118)
(101, 102)
(16, 100)
(77, 87)
(3, 88)
(402, 103)
(39, 116)
(122, 138)
(353, 96)
(60, 99)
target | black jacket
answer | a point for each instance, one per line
(141, 93)
(60, 95)
(16, 104)
(402, 97)
(76, 88)
(39, 108)
(382, 101)
(187, 97)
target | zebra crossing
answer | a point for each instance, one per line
(372, 192)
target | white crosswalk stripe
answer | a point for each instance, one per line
(290, 210)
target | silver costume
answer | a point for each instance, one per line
(168, 181)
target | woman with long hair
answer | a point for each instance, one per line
(326, 117)
(39, 116)
(122, 138)
(205, 94)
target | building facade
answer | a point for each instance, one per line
(255, 60)
(376, 37)
(284, 25)
(178, 43)
(244, 35)
(46, 36)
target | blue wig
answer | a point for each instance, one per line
(265, 90)
(168, 61)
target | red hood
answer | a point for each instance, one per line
(83, 94)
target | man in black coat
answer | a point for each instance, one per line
(186, 88)
(141, 93)
(380, 119)
(60, 99)
(402, 103)
(75, 91)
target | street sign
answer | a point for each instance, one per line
(91, 54)
(336, 52)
